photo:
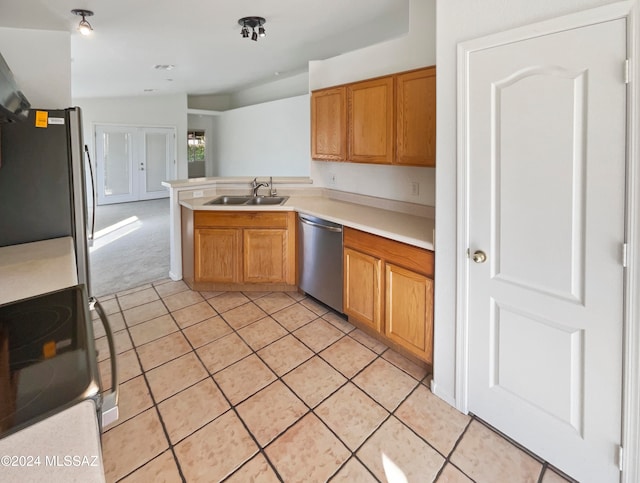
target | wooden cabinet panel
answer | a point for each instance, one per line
(409, 310)
(370, 120)
(251, 219)
(216, 255)
(388, 287)
(329, 124)
(386, 120)
(416, 117)
(239, 250)
(402, 254)
(265, 256)
(362, 287)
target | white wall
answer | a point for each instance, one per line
(460, 20)
(279, 88)
(269, 139)
(41, 64)
(416, 49)
(158, 111)
(210, 102)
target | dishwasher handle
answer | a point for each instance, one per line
(320, 225)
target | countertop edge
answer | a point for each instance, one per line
(298, 205)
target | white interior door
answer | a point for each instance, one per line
(156, 162)
(132, 162)
(546, 205)
(116, 173)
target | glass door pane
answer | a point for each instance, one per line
(115, 173)
(158, 158)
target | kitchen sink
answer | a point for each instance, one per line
(267, 200)
(248, 200)
(229, 200)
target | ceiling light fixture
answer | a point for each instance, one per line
(251, 23)
(84, 27)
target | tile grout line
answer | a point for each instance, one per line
(155, 404)
(309, 409)
(232, 407)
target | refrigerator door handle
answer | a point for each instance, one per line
(93, 196)
(110, 401)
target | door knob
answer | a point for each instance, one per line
(479, 256)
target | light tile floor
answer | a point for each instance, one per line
(275, 387)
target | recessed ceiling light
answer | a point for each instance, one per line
(149, 90)
(164, 66)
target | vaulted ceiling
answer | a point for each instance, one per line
(202, 39)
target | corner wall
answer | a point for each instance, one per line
(457, 21)
(268, 139)
(41, 64)
(159, 111)
(416, 49)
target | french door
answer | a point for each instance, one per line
(132, 162)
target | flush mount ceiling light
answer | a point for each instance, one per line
(84, 27)
(251, 23)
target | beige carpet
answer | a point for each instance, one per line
(131, 245)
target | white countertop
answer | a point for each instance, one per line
(35, 268)
(231, 180)
(63, 448)
(412, 229)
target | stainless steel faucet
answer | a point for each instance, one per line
(256, 186)
(272, 191)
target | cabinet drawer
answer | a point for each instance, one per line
(239, 219)
(404, 255)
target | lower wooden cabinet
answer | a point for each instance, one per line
(362, 287)
(388, 288)
(265, 255)
(217, 255)
(408, 304)
(225, 250)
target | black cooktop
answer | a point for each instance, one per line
(47, 357)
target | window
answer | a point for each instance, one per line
(195, 146)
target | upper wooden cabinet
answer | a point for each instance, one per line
(416, 117)
(370, 121)
(387, 120)
(329, 124)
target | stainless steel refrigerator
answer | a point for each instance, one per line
(42, 182)
(43, 196)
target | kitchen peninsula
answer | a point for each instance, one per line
(388, 244)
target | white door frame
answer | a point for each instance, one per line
(631, 342)
(95, 124)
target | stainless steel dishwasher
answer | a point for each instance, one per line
(320, 260)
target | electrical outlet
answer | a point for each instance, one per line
(415, 188)
(333, 179)
(198, 194)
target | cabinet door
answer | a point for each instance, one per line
(265, 255)
(409, 310)
(416, 117)
(363, 287)
(217, 255)
(371, 121)
(329, 124)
